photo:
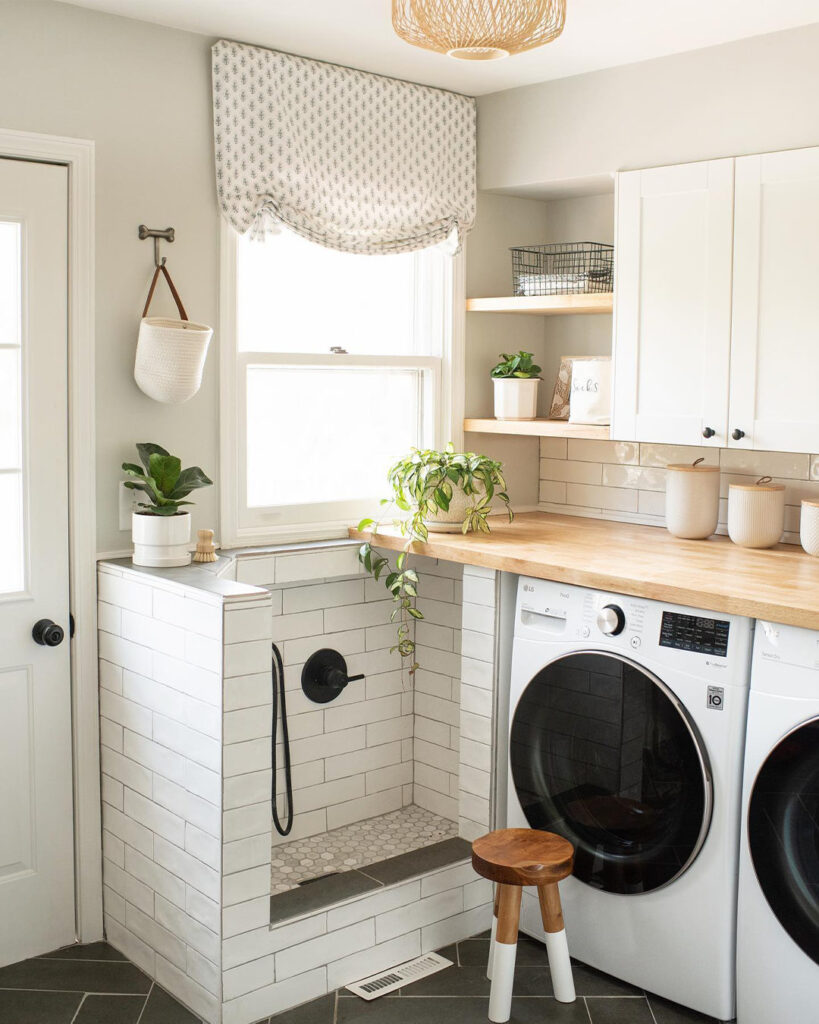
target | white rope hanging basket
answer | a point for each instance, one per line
(170, 355)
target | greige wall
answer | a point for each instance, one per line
(502, 221)
(751, 96)
(143, 94)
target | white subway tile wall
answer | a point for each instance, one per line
(477, 701)
(161, 735)
(187, 771)
(267, 971)
(625, 481)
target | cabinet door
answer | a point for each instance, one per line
(775, 344)
(673, 303)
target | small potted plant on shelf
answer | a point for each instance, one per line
(439, 491)
(516, 379)
(161, 532)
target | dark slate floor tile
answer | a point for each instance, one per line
(110, 1010)
(38, 1007)
(532, 981)
(91, 951)
(449, 953)
(451, 981)
(164, 1009)
(75, 976)
(590, 982)
(322, 893)
(430, 858)
(317, 1011)
(474, 952)
(444, 1010)
(634, 1010)
(670, 1013)
(548, 1011)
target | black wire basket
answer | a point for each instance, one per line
(562, 268)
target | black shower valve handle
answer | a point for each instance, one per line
(325, 676)
(337, 679)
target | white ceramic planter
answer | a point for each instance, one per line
(161, 540)
(451, 521)
(691, 500)
(516, 399)
(809, 526)
(756, 513)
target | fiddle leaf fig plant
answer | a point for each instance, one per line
(519, 366)
(425, 483)
(162, 478)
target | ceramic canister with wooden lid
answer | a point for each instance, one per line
(692, 499)
(756, 513)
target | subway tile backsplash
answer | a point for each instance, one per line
(625, 481)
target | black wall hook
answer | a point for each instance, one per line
(324, 676)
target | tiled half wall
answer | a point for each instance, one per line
(625, 480)
(186, 705)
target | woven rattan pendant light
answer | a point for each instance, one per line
(478, 29)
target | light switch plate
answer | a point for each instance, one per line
(127, 504)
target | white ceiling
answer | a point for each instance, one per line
(598, 34)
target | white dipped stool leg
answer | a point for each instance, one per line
(492, 935)
(505, 948)
(560, 965)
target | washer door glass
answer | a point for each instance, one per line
(783, 833)
(602, 753)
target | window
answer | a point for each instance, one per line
(333, 366)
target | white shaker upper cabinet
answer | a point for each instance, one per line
(673, 304)
(775, 346)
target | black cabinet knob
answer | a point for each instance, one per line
(737, 434)
(708, 432)
(47, 633)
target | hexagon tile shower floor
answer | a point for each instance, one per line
(357, 845)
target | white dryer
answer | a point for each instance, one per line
(626, 731)
(778, 931)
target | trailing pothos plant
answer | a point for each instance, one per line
(424, 484)
(163, 479)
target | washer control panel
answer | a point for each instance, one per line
(694, 633)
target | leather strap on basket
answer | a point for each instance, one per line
(174, 292)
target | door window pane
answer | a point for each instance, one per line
(601, 755)
(314, 431)
(9, 283)
(10, 454)
(12, 564)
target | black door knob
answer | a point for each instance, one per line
(737, 434)
(708, 432)
(47, 633)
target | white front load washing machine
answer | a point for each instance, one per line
(627, 724)
(778, 925)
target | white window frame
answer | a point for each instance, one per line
(442, 381)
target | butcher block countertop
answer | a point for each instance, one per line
(780, 583)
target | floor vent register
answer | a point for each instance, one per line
(388, 981)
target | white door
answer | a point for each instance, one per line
(36, 811)
(673, 304)
(775, 347)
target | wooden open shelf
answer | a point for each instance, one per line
(538, 428)
(544, 305)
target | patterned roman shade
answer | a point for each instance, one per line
(350, 160)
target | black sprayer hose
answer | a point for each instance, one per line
(277, 670)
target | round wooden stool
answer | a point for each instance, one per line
(512, 858)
